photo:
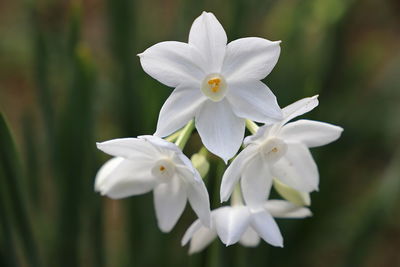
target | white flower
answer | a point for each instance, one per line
(150, 163)
(244, 225)
(280, 151)
(216, 83)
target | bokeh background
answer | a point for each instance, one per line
(69, 76)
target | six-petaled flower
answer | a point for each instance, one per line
(216, 83)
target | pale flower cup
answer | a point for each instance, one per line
(216, 83)
(242, 224)
(149, 163)
(280, 151)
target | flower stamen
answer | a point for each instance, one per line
(163, 169)
(215, 82)
(273, 149)
(214, 87)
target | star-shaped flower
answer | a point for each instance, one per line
(216, 83)
(280, 151)
(242, 224)
(150, 163)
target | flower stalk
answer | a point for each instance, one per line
(184, 135)
(173, 137)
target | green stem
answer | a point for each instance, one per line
(251, 126)
(186, 132)
(172, 138)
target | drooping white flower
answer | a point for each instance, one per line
(242, 224)
(150, 163)
(216, 83)
(280, 151)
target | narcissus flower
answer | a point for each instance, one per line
(216, 83)
(280, 151)
(150, 163)
(242, 224)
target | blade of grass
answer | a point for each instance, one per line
(75, 153)
(11, 173)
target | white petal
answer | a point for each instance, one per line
(169, 202)
(250, 238)
(187, 169)
(233, 172)
(256, 181)
(255, 101)
(201, 239)
(231, 222)
(198, 198)
(299, 108)
(297, 169)
(259, 136)
(179, 109)
(208, 36)
(266, 227)
(250, 58)
(199, 236)
(311, 133)
(285, 209)
(161, 144)
(123, 178)
(171, 63)
(193, 228)
(221, 131)
(128, 148)
(105, 171)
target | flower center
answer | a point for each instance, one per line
(214, 87)
(273, 149)
(163, 169)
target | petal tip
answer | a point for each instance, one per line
(184, 241)
(165, 228)
(224, 197)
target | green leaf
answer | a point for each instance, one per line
(11, 175)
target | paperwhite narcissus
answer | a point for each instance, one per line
(150, 163)
(280, 151)
(242, 224)
(216, 83)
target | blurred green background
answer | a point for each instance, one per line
(69, 76)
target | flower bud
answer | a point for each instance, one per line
(292, 195)
(201, 163)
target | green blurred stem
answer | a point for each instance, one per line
(186, 132)
(251, 126)
(172, 138)
(10, 172)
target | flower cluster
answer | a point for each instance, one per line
(218, 90)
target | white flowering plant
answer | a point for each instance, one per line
(218, 91)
